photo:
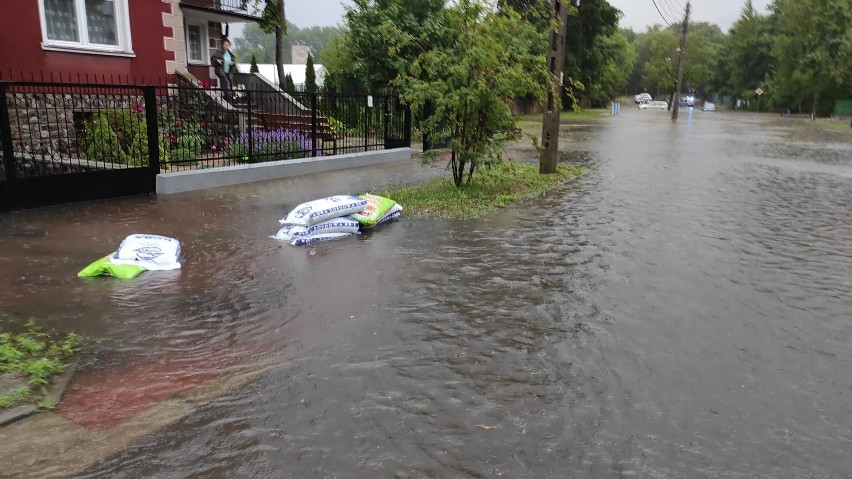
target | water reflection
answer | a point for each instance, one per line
(680, 311)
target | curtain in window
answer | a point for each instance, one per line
(100, 19)
(61, 19)
(194, 34)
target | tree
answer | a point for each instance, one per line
(310, 75)
(584, 57)
(472, 80)
(812, 48)
(254, 41)
(745, 61)
(254, 68)
(289, 86)
(369, 56)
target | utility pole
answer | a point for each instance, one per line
(675, 108)
(555, 63)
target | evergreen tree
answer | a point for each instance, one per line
(254, 68)
(289, 86)
(310, 76)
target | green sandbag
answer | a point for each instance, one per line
(105, 266)
(376, 207)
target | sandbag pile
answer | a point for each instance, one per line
(335, 217)
(135, 255)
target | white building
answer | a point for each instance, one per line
(297, 72)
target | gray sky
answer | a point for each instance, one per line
(310, 13)
(640, 14)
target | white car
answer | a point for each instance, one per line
(642, 97)
(709, 106)
(644, 104)
(658, 105)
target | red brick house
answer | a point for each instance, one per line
(122, 40)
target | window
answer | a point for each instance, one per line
(97, 25)
(196, 43)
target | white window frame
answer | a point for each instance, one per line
(122, 21)
(205, 43)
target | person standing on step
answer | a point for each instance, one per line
(224, 62)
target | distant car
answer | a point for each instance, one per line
(644, 104)
(658, 105)
(642, 97)
(708, 106)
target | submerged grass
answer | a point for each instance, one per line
(491, 189)
(29, 360)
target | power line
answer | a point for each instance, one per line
(661, 13)
(669, 11)
(678, 5)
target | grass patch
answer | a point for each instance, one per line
(28, 361)
(491, 189)
(833, 125)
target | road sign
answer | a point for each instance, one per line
(759, 91)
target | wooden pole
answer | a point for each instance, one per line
(680, 61)
(555, 63)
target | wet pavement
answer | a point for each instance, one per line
(682, 310)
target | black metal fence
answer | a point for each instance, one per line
(126, 134)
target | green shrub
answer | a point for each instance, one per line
(101, 142)
(282, 150)
(337, 127)
(183, 154)
(117, 136)
(191, 142)
(237, 151)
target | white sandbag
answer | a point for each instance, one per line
(152, 252)
(391, 214)
(313, 212)
(344, 224)
(319, 237)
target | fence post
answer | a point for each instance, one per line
(8, 150)
(314, 124)
(249, 128)
(387, 117)
(427, 137)
(367, 122)
(407, 115)
(149, 96)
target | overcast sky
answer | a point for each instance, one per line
(638, 14)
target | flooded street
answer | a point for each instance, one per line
(682, 310)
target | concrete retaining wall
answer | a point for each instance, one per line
(168, 183)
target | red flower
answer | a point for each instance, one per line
(139, 107)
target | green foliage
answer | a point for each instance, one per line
(35, 356)
(310, 75)
(254, 68)
(289, 86)
(255, 42)
(237, 152)
(370, 55)
(184, 154)
(337, 127)
(282, 150)
(471, 81)
(497, 186)
(813, 49)
(118, 136)
(586, 54)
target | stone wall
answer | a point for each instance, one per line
(47, 124)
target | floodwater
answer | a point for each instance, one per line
(682, 310)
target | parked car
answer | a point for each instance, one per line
(642, 97)
(658, 105)
(644, 104)
(708, 106)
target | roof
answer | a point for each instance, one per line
(297, 72)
